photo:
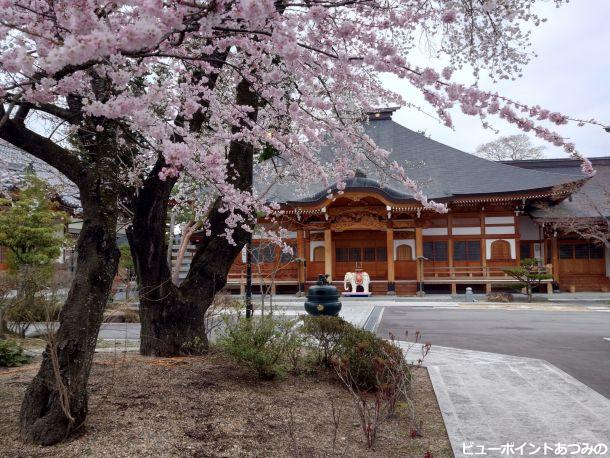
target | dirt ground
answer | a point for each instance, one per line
(210, 407)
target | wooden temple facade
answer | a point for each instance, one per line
(405, 250)
(494, 221)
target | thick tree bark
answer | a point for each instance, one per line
(172, 317)
(44, 419)
(168, 323)
(55, 402)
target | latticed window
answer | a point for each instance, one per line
(3, 254)
(466, 250)
(404, 253)
(500, 249)
(596, 251)
(436, 250)
(566, 250)
(581, 250)
(369, 254)
(366, 254)
(341, 254)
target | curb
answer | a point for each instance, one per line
(372, 322)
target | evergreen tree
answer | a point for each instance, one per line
(31, 229)
(530, 274)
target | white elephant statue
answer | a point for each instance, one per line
(357, 278)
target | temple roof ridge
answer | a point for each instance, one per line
(442, 172)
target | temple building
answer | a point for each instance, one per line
(499, 213)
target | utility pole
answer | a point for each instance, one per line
(170, 245)
(249, 308)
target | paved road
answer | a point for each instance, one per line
(572, 341)
(120, 331)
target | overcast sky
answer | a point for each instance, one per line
(571, 75)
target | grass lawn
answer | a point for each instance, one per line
(210, 407)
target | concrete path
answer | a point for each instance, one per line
(489, 400)
(572, 341)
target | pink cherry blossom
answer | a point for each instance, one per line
(314, 68)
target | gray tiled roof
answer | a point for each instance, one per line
(443, 172)
(16, 163)
(591, 200)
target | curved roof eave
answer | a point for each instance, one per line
(322, 200)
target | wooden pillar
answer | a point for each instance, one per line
(301, 266)
(328, 254)
(419, 252)
(450, 248)
(555, 258)
(450, 257)
(484, 250)
(390, 258)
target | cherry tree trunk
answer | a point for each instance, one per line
(44, 412)
(170, 324)
(173, 317)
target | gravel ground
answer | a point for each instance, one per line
(209, 407)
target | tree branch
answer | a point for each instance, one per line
(66, 162)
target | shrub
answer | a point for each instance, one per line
(262, 343)
(326, 333)
(387, 369)
(496, 296)
(24, 313)
(11, 354)
(360, 350)
(363, 352)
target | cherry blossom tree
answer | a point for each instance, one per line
(510, 148)
(135, 95)
(301, 110)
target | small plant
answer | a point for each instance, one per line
(11, 354)
(195, 346)
(262, 343)
(326, 333)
